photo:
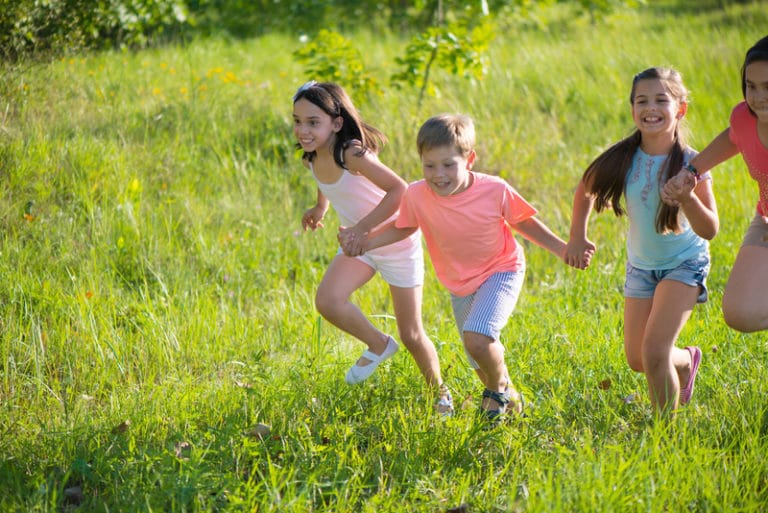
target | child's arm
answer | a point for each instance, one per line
(700, 207)
(719, 150)
(368, 165)
(383, 236)
(538, 233)
(579, 250)
(682, 184)
(313, 217)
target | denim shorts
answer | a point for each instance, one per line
(487, 310)
(642, 284)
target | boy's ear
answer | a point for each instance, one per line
(682, 110)
(471, 159)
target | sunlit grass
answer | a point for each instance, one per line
(157, 298)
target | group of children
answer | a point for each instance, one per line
(468, 220)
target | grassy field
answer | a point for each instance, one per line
(157, 291)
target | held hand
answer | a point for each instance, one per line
(678, 189)
(312, 218)
(579, 253)
(586, 256)
(344, 238)
(351, 240)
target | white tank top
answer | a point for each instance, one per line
(353, 197)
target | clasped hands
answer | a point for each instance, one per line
(351, 240)
(678, 189)
(579, 253)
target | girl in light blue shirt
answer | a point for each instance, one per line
(668, 252)
(647, 249)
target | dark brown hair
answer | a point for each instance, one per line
(758, 52)
(335, 102)
(606, 176)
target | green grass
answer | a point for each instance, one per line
(156, 291)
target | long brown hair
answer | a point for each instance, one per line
(335, 102)
(606, 176)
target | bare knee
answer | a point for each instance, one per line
(654, 358)
(635, 363)
(742, 319)
(634, 357)
(414, 337)
(735, 320)
(476, 343)
(327, 305)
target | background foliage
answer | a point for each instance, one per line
(34, 26)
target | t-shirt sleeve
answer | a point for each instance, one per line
(407, 218)
(736, 121)
(515, 208)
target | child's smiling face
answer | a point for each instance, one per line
(654, 109)
(756, 79)
(446, 169)
(312, 126)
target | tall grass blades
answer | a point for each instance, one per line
(159, 345)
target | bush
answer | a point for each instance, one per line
(43, 26)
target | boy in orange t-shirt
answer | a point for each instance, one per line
(466, 219)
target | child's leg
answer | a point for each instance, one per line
(344, 276)
(665, 365)
(481, 317)
(489, 356)
(636, 313)
(745, 304)
(407, 305)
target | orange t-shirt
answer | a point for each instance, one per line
(468, 234)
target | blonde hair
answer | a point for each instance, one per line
(455, 130)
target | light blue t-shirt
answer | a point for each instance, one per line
(646, 248)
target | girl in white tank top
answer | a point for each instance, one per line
(341, 151)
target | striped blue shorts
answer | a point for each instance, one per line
(487, 310)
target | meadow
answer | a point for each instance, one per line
(156, 290)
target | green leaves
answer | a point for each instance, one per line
(331, 57)
(458, 48)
